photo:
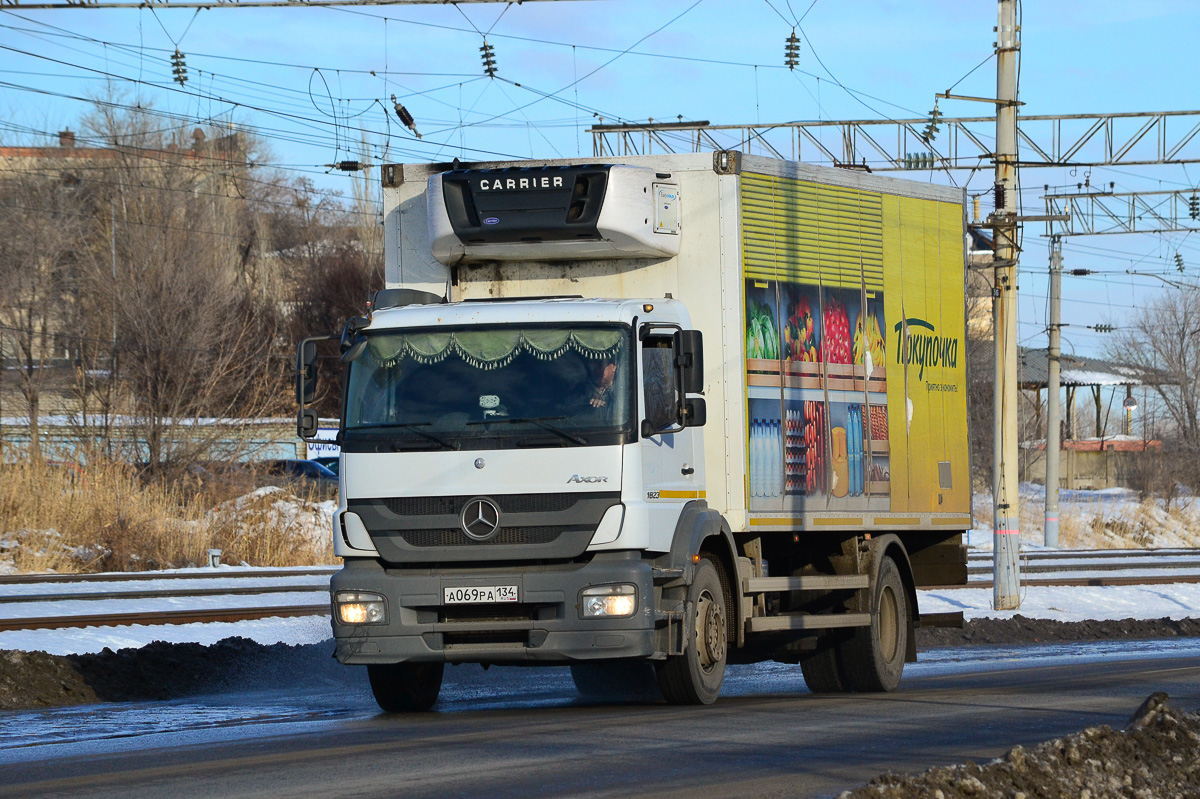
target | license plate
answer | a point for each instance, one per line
(479, 593)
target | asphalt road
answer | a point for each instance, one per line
(524, 732)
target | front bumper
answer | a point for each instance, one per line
(545, 625)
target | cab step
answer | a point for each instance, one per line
(811, 582)
(807, 621)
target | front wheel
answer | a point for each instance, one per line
(822, 668)
(695, 677)
(406, 687)
(873, 657)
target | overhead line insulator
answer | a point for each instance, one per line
(791, 51)
(178, 67)
(405, 117)
(931, 129)
(488, 54)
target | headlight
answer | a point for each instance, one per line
(357, 607)
(604, 601)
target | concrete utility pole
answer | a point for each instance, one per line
(1006, 537)
(1053, 433)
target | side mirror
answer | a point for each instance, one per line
(689, 360)
(695, 413)
(306, 371)
(306, 385)
(306, 424)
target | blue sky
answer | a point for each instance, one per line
(301, 79)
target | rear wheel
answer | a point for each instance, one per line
(873, 657)
(695, 677)
(616, 680)
(406, 687)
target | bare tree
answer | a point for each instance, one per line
(339, 284)
(42, 220)
(980, 357)
(194, 340)
(1163, 341)
(335, 258)
(177, 277)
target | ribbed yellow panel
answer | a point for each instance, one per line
(801, 232)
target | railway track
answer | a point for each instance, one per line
(38, 602)
(1092, 567)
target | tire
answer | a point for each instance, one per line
(695, 677)
(873, 657)
(406, 687)
(616, 681)
(822, 668)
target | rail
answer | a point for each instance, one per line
(24, 605)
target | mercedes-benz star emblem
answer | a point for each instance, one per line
(480, 519)
(480, 463)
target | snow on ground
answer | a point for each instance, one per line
(300, 630)
(97, 607)
(1072, 603)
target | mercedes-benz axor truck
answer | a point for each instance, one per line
(649, 416)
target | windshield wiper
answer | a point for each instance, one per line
(540, 422)
(410, 426)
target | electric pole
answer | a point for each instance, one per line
(1053, 433)
(1006, 534)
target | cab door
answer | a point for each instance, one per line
(670, 476)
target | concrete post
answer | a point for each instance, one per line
(1006, 534)
(1053, 433)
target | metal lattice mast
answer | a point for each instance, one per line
(891, 145)
(1096, 213)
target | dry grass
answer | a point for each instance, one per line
(105, 517)
(1115, 524)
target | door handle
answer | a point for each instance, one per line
(687, 470)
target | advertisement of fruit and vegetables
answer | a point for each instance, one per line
(801, 334)
(870, 347)
(840, 308)
(762, 334)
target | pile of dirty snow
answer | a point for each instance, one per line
(1154, 756)
(278, 509)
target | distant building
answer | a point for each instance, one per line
(73, 161)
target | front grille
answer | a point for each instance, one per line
(508, 503)
(506, 612)
(483, 638)
(453, 537)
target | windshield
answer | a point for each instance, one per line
(491, 387)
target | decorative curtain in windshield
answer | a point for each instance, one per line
(492, 349)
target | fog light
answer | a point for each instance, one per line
(354, 607)
(609, 601)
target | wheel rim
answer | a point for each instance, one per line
(710, 632)
(889, 624)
